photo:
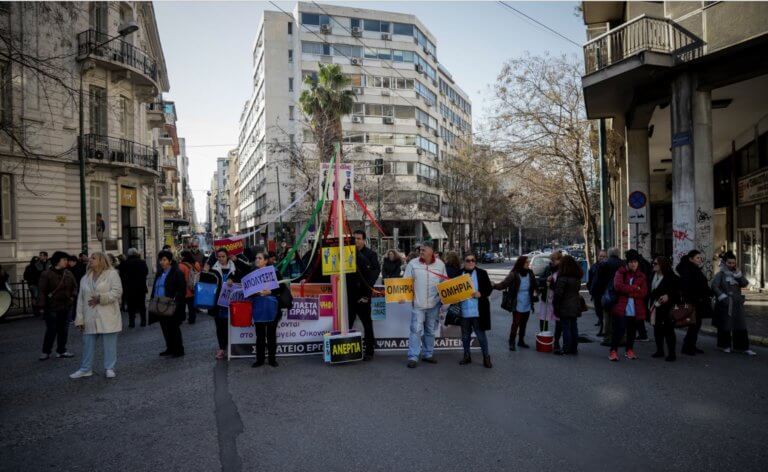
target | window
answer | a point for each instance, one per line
(315, 48)
(315, 19)
(290, 112)
(6, 206)
(290, 55)
(4, 81)
(99, 204)
(290, 84)
(98, 110)
(404, 29)
(148, 215)
(354, 22)
(98, 16)
(372, 25)
(126, 118)
(347, 51)
(291, 140)
(290, 27)
(293, 197)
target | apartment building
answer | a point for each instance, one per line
(409, 117)
(684, 88)
(92, 69)
(219, 213)
(233, 191)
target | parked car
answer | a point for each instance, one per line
(488, 257)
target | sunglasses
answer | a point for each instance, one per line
(469, 260)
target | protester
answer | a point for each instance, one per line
(631, 288)
(476, 312)
(602, 255)
(427, 271)
(283, 252)
(191, 270)
(665, 293)
(605, 275)
(294, 269)
(546, 288)
(134, 272)
(567, 303)
(393, 265)
(694, 289)
(224, 269)
(452, 264)
(359, 290)
(645, 267)
(271, 258)
(169, 282)
(730, 319)
(520, 284)
(197, 255)
(58, 289)
(266, 333)
(98, 315)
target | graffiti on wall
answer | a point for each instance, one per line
(704, 239)
(682, 241)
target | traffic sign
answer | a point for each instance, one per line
(638, 212)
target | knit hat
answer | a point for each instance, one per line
(632, 255)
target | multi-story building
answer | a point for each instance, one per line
(219, 199)
(90, 69)
(233, 191)
(409, 113)
(683, 88)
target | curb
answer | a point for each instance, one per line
(753, 339)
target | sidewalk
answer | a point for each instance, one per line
(756, 307)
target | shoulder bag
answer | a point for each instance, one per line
(162, 306)
(683, 315)
(453, 316)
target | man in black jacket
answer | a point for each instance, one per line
(134, 272)
(359, 288)
(605, 275)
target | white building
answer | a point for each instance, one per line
(409, 113)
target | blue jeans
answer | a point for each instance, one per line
(423, 325)
(467, 326)
(89, 348)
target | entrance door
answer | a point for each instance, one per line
(138, 239)
(127, 220)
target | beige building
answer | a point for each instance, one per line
(110, 54)
(233, 191)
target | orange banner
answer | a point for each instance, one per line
(233, 246)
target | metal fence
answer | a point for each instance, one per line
(107, 148)
(92, 42)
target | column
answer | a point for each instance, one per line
(683, 175)
(704, 178)
(638, 180)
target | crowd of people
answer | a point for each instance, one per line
(91, 292)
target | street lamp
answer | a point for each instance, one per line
(124, 30)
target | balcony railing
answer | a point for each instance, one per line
(91, 42)
(118, 151)
(639, 35)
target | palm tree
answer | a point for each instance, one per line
(325, 103)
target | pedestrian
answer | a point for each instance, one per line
(225, 270)
(665, 293)
(694, 290)
(730, 318)
(98, 315)
(271, 258)
(646, 268)
(592, 278)
(411, 256)
(476, 312)
(453, 265)
(58, 289)
(284, 248)
(169, 282)
(567, 303)
(134, 273)
(605, 275)
(427, 271)
(197, 255)
(266, 332)
(294, 269)
(72, 263)
(360, 289)
(32, 276)
(631, 288)
(188, 267)
(393, 265)
(546, 287)
(520, 285)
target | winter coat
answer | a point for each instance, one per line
(55, 297)
(32, 274)
(694, 288)
(592, 279)
(637, 290)
(729, 308)
(567, 301)
(176, 288)
(511, 283)
(105, 317)
(425, 279)
(391, 269)
(134, 272)
(360, 284)
(483, 304)
(669, 286)
(605, 274)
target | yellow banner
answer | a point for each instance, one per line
(398, 290)
(332, 263)
(456, 289)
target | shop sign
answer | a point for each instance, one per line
(753, 187)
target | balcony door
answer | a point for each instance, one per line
(98, 16)
(98, 110)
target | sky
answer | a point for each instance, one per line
(207, 48)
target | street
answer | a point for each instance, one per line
(532, 411)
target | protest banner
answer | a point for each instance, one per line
(304, 309)
(332, 262)
(258, 280)
(378, 307)
(456, 290)
(398, 290)
(327, 307)
(233, 246)
(340, 348)
(226, 292)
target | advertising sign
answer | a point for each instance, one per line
(398, 289)
(258, 280)
(456, 290)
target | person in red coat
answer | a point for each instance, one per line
(631, 288)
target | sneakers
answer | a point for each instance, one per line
(726, 350)
(749, 352)
(523, 345)
(65, 355)
(111, 374)
(44, 357)
(630, 354)
(613, 356)
(220, 354)
(80, 374)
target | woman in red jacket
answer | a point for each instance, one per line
(631, 288)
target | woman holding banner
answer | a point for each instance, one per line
(266, 332)
(224, 270)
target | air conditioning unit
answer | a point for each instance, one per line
(418, 123)
(98, 155)
(357, 90)
(427, 102)
(386, 36)
(388, 120)
(356, 61)
(357, 119)
(385, 93)
(419, 68)
(389, 150)
(357, 31)
(419, 151)
(325, 29)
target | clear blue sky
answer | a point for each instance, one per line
(207, 47)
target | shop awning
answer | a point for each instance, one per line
(435, 229)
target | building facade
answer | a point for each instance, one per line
(409, 117)
(91, 69)
(219, 214)
(682, 88)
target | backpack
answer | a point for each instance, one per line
(194, 277)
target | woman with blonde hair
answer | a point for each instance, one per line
(98, 314)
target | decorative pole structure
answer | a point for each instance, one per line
(341, 281)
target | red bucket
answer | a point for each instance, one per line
(544, 341)
(240, 314)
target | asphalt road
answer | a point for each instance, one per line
(532, 411)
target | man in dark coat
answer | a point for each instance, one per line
(602, 255)
(134, 272)
(605, 275)
(359, 289)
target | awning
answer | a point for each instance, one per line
(435, 229)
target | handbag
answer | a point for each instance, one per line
(162, 306)
(453, 315)
(683, 315)
(508, 302)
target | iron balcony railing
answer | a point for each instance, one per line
(639, 35)
(119, 151)
(92, 42)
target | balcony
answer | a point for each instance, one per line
(106, 149)
(155, 114)
(118, 55)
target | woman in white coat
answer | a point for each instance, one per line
(98, 314)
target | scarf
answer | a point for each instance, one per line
(730, 276)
